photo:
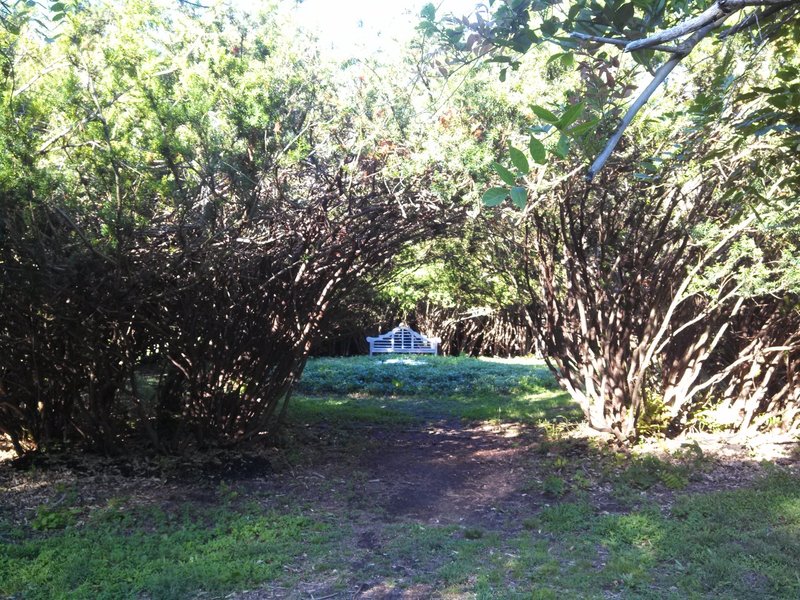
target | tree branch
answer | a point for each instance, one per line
(618, 42)
(754, 19)
(717, 13)
(660, 76)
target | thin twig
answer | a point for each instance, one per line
(618, 42)
(81, 235)
(756, 18)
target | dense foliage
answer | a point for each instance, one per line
(193, 202)
(184, 197)
(669, 287)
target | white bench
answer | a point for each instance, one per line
(403, 339)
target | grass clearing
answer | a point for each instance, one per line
(386, 389)
(423, 375)
(163, 554)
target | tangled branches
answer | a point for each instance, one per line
(193, 329)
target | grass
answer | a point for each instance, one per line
(742, 543)
(161, 554)
(402, 390)
(424, 375)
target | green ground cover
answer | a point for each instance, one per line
(650, 534)
(739, 544)
(405, 389)
(160, 553)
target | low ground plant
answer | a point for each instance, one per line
(570, 519)
(412, 375)
(159, 553)
(405, 389)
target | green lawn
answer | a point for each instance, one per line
(404, 389)
(162, 554)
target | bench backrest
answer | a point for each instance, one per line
(403, 339)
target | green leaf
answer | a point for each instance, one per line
(643, 57)
(57, 7)
(519, 196)
(550, 26)
(567, 59)
(544, 114)
(571, 115)
(428, 12)
(787, 74)
(583, 127)
(538, 153)
(506, 175)
(562, 148)
(523, 41)
(494, 196)
(503, 73)
(519, 160)
(781, 102)
(623, 16)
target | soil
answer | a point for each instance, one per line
(449, 473)
(488, 477)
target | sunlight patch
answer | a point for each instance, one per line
(403, 361)
(517, 360)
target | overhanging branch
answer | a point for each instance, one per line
(697, 29)
(717, 13)
(756, 18)
(617, 42)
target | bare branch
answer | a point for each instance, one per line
(662, 73)
(717, 13)
(660, 76)
(755, 18)
(49, 69)
(81, 235)
(679, 297)
(618, 42)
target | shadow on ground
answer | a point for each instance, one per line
(434, 506)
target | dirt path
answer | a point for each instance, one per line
(443, 473)
(375, 480)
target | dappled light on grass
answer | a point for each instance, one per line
(161, 554)
(372, 524)
(498, 390)
(494, 490)
(403, 361)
